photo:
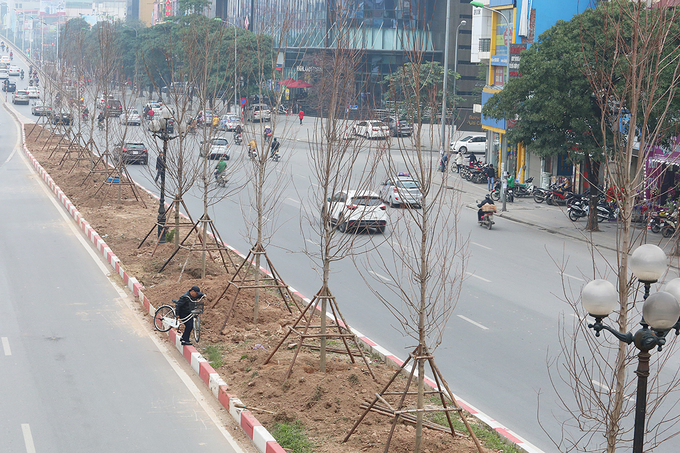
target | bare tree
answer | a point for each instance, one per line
(425, 268)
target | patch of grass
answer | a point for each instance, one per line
(214, 355)
(243, 356)
(353, 379)
(318, 393)
(488, 437)
(292, 436)
(255, 374)
(169, 235)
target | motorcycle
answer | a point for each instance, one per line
(670, 225)
(86, 116)
(238, 139)
(581, 208)
(276, 157)
(487, 220)
(526, 189)
(21, 76)
(252, 153)
(509, 194)
(221, 179)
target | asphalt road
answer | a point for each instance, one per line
(498, 342)
(79, 372)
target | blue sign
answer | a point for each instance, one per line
(243, 101)
(498, 60)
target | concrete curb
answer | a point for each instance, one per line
(259, 436)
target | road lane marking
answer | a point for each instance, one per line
(571, 276)
(380, 276)
(313, 243)
(294, 201)
(477, 276)
(28, 438)
(607, 389)
(480, 245)
(464, 318)
(5, 346)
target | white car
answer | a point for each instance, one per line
(5, 59)
(4, 74)
(33, 92)
(131, 116)
(229, 122)
(475, 144)
(402, 190)
(20, 97)
(372, 129)
(357, 209)
(14, 70)
(217, 149)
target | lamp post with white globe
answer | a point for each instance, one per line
(660, 315)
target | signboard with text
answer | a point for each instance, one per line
(513, 68)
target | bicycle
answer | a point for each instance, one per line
(165, 318)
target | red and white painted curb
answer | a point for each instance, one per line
(260, 437)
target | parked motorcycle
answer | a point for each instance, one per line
(670, 225)
(526, 189)
(581, 208)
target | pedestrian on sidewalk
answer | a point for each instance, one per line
(160, 166)
(301, 115)
(490, 177)
(442, 163)
(184, 305)
(459, 161)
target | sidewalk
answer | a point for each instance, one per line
(553, 219)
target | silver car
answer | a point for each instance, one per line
(131, 116)
(20, 97)
(402, 190)
(217, 149)
(259, 112)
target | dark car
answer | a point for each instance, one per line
(399, 127)
(112, 107)
(131, 152)
(9, 86)
(61, 116)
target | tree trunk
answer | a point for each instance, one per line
(592, 170)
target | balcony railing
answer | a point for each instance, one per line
(485, 44)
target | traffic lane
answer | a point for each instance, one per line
(81, 359)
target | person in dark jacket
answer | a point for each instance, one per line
(490, 176)
(160, 166)
(480, 212)
(183, 308)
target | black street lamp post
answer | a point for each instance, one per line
(660, 315)
(159, 128)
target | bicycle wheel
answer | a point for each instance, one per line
(197, 329)
(164, 312)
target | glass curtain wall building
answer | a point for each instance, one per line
(384, 30)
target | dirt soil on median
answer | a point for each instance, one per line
(326, 404)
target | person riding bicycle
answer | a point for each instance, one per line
(184, 305)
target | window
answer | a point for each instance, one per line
(366, 201)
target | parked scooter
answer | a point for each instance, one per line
(670, 225)
(581, 208)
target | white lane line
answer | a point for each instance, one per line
(571, 276)
(294, 201)
(601, 385)
(480, 245)
(313, 243)
(380, 276)
(464, 318)
(477, 276)
(28, 438)
(607, 389)
(5, 346)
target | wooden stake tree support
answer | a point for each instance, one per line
(86, 154)
(400, 411)
(167, 224)
(338, 329)
(243, 278)
(118, 176)
(211, 243)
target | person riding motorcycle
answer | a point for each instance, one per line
(267, 133)
(252, 149)
(22, 74)
(219, 169)
(11, 55)
(237, 134)
(86, 114)
(480, 212)
(3, 46)
(100, 120)
(274, 148)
